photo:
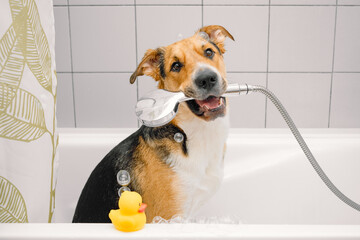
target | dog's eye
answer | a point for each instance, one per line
(209, 53)
(176, 67)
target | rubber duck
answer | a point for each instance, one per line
(131, 216)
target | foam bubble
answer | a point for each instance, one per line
(201, 220)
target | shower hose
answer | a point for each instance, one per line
(303, 145)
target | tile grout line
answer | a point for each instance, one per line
(136, 49)
(202, 13)
(136, 55)
(98, 72)
(283, 72)
(332, 67)
(254, 72)
(129, 5)
(267, 65)
(211, 5)
(72, 68)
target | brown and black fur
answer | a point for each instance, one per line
(141, 154)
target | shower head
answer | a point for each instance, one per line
(159, 107)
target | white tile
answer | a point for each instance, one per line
(163, 25)
(103, 38)
(168, 2)
(303, 2)
(345, 100)
(348, 2)
(65, 101)
(236, 2)
(249, 27)
(145, 85)
(306, 97)
(62, 39)
(301, 38)
(100, 2)
(347, 43)
(247, 111)
(104, 100)
(60, 2)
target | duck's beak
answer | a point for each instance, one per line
(142, 207)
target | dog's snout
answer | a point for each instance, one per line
(206, 79)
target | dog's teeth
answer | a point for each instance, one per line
(221, 101)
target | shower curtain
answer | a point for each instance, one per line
(28, 136)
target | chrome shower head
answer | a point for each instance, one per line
(159, 107)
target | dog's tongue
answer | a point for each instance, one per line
(210, 102)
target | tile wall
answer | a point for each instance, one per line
(306, 51)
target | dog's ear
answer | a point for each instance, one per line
(217, 35)
(149, 65)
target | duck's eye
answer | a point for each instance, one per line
(176, 67)
(209, 53)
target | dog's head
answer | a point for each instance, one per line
(194, 66)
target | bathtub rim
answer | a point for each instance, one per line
(178, 231)
(67, 130)
(68, 135)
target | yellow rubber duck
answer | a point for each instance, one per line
(131, 216)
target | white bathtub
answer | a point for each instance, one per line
(269, 186)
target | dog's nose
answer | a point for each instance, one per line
(206, 79)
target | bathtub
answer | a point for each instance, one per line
(269, 190)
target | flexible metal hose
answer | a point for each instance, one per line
(303, 145)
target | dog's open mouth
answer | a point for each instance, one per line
(212, 103)
(209, 108)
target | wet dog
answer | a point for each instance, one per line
(173, 177)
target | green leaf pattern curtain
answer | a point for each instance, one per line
(28, 136)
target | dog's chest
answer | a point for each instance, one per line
(201, 172)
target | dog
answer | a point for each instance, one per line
(173, 177)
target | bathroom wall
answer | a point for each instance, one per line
(306, 51)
